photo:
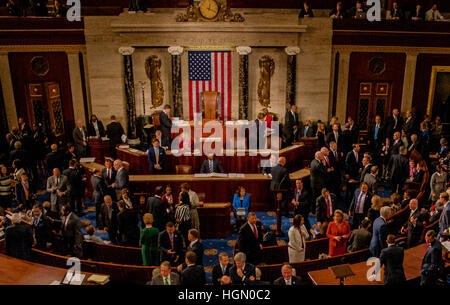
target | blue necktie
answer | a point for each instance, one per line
(306, 130)
(376, 132)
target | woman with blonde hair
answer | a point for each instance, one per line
(320, 135)
(338, 232)
(149, 242)
(374, 211)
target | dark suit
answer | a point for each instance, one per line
(352, 166)
(444, 220)
(248, 270)
(99, 192)
(72, 236)
(291, 120)
(420, 14)
(166, 125)
(318, 178)
(19, 239)
(392, 259)
(217, 273)
(101, 129)
(414, 232)
(334, 177)
(397, 13)
(309, 132)
(304, 200)
(410, 126)
(127, 223)
(152, 160)
(105, 219)
(78, 139)
(164, 245)
(295, 281)
(21, 196)
(332, 137)
(193, 275)
(379, 236)
(155, 206)
(432, 264)
(197, 248)
(77, 188)
(109, 180)
(249, 244)
(114, 132)
(395, 148)
(281, 181)
(399, 169)
(358, 217)
(359, 240)
(391, 127)
(269, 239)
(378, 139)
(321, 208)
(54, 160)
(216, 168)
(260, 132)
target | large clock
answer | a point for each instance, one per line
(209, 9)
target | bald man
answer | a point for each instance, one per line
(281, 181)
(79, 135)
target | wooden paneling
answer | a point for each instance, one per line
(425, 62)
(22, 75)
(359, 72)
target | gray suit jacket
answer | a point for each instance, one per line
(174, 278)
(121, 181)
(63, 186)
(372, 182)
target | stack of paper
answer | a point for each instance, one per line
(87, 160)
(99, 279)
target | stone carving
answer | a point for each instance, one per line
(292, 50)
(243, 50)
(126, 51)
(267, 68)
(193, 14)
(175, 50)
(152, 68)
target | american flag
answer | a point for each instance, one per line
(210, 71)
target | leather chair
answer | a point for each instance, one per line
(182, 169)
(155, 120)
(201, 197)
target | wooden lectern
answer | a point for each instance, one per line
(341, 272)
(210, 100)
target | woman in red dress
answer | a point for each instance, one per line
(338, 232)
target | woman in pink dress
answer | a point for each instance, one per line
(338, 232)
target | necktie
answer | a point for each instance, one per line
(336, 136)
(210, 166)
(57, 181)
(328, 161)
(376, 132)
(157, 156)
(328, 207)
(109, 173)
(171, 240)
(356, 157)
(166, 281)
(255, 232)
(358, 203)
(395, 125)
(335, 155)
(27, 193)
(223, 270)
(299, 192)
(306, 130)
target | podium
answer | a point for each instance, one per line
(341, 272)
(210, 100)
(99, 149)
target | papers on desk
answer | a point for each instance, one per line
(87, 160)
(124, 146)
(105, 139)
(54, 283)
(99, 279)
(234, 175)
(73, 278)
(210, 175)
(133, 150)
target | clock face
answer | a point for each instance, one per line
(209, 9)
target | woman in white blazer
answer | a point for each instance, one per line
(297, 240)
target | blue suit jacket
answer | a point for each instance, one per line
(432, 264)
(380, 233)
(237, 203)
(366, 203)
(152, 158)
(444, 221)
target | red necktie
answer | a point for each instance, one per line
(426, 249)
(328, 161)
(255, 232)
(171, 240)
(328, 207)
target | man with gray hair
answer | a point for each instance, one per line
(413, 227)
(288, 278)
(79, 135)
(18, 238)
(242, 273)
(122, 179)
(318, 177)
(380, 232)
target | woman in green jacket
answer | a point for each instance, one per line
(149, 242)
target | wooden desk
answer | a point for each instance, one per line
(411, 264)
(215, 220)
(20, 272)
(234, 163)
(99, 149)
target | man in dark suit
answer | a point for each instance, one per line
(318, 177)
(114, 132)
(211, 165)
(392, 260)
(399, 169)
(250, 240)
(366, 166)
(269, 238)
(414, 145)
(127, 223)
(99, 191)
(71, 232)
(260, 132)
(335, 136)
(393, 123)
(19, 153)
(353, 164)
(193, 274)
(396, 143)
(75, 180)
(96, 128)
(121, 180)
(109, 175)
(307, 130)
(195, 245)
(107, 218)
(54, 159)
(418, 13)
(376, 133)
(410, 124)
(242, 272)
(291, 125)
(444, 219)
(170, 245)
(18, 238)
(79, 135)
(281, 181)
(347, 139)
(221, 269)
(396, 11)
(336, 159)
(380, 232)
(156, 158)
(326, 204)
(302, 202)
(155, 206)
(166, 125)
(353, 129)
(413, 227)
(432, 263)
(372, 179)
(25, 191)
(287, 278)
(360, 205)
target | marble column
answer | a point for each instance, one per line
(129, 90)
(8, 91)
(408, 81)
(342, 85)
(243, 81)
(177, 95)
(291, 75)
(76, 86)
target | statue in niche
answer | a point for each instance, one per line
(267, 68)
(152, 68)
